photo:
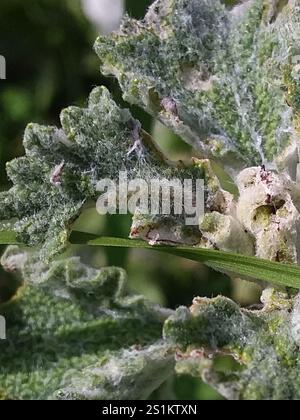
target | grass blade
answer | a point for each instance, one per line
(239, 265)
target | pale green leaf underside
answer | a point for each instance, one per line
(230, 73)
(75, 332)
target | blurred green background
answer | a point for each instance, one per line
(48, 46)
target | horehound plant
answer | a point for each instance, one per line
(227, 80)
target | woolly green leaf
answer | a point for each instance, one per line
(262, 345)
(225, 79)
(62, 167)
(74, 332)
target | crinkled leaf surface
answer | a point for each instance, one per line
(265, 343)
(225, 79)
(62, 167)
